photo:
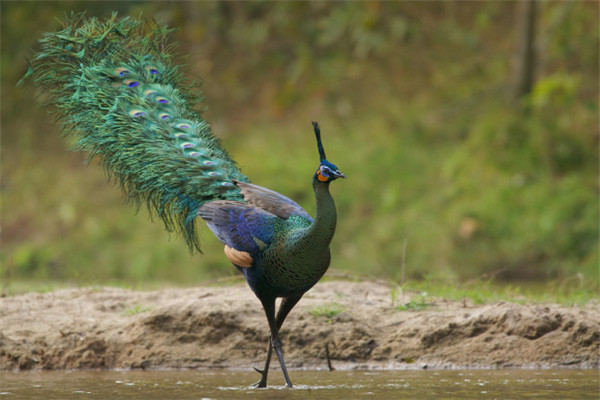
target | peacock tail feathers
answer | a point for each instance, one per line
(117, 94)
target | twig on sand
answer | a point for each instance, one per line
(328, 357)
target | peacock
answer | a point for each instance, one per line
(116, 93)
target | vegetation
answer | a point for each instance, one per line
(327, 310)
(137, 309)
(419, 303)
(478, 291)
(418, 107)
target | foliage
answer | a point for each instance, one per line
(415, 104)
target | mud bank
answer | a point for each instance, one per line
(224, 327)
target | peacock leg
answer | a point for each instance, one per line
(269, 307)
(284, 309)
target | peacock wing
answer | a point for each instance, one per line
(271, 201)
(244, 229)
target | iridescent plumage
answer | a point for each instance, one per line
(115, 91)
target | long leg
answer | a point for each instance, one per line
(284, 309)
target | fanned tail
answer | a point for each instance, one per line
(117, 94)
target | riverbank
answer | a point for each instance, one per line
(224, 327)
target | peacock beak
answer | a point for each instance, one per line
(338, 174)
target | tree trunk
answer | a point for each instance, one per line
(525, 74)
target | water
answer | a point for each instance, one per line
(338, 385)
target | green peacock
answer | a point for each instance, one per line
(115, 91)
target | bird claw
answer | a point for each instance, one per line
(260, 384)
(263, 382)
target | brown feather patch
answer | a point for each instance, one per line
(270, 201)
(239, 258)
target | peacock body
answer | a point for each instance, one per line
(117, 94)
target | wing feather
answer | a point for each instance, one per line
(271, 201)
(240, 226)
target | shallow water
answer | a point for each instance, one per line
(218, 384)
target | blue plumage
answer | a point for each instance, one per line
(241, 226)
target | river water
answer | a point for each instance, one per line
(338, 385)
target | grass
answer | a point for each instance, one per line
(137, 309)
(16, 287)
(419, 303)
(567, 292)
(329, 310)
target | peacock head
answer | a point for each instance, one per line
(327, 172)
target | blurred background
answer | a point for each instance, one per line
(468, 132)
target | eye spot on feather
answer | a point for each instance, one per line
(186, 145)
(121, 71)
(162, 100)
(194, 154)
(209, 163)
(131, 83)
(152, 70)
(183, 125)
(180, 135)
(164, 116)
(150, 93)
(213, 173)
(226, 184)
(137, 113)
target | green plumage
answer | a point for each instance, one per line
(116, 93)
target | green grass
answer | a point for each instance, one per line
(20, 286)
(567, 292)
(328, 311)
(419, 303)
(137, 309)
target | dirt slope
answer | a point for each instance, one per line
(224, 327)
